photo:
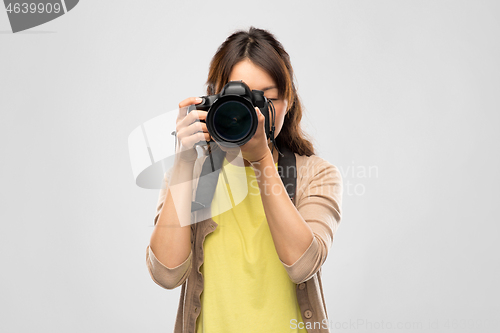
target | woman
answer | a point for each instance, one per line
(257, 266)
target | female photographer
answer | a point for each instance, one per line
(257, 266)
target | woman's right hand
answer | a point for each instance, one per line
(190, 130)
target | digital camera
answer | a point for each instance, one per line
(232, 119)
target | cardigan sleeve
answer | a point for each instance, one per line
(168, 278)
(319, 203)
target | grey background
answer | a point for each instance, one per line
(405, 89)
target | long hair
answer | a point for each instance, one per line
(266, 52)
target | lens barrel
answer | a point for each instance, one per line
(232, 120)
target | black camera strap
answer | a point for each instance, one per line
(287, 169)
(209, 177)
(271, 133)
(213, 164)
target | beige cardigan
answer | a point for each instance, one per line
(318, 199)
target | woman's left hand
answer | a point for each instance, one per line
(257, 148)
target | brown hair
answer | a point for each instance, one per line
(265, 51)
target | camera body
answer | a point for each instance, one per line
(231, 118)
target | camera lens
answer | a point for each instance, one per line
(232, 121)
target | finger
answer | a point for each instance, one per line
(192, 129)
(194, 139)
(260, 116)
(190, 101)
(184, 106)
(192, 117)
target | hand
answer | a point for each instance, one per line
(190, 130)
(257, 148)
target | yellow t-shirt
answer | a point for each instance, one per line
(246, 287)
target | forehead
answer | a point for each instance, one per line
(255, 77)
